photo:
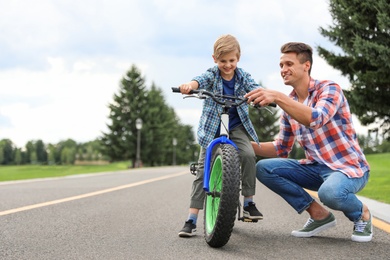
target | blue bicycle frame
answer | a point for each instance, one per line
(223, 139)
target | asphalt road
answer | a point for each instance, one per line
(137, 214)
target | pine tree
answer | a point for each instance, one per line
(157, 136)
(128, 104)
(161, 127)
(6, 152)
(265, 122)
(40, 149)
(362, 30)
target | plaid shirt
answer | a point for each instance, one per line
(209, 122)
(330, 139)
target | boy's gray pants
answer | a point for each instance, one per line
(248, 168)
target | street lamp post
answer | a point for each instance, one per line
(138, 125)
(174, 143)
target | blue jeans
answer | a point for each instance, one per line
(288, 178)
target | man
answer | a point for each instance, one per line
(317, 115)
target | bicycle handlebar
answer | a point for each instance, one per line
(218, 98)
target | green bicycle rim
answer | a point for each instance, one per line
(212, 203)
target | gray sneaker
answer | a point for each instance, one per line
(313, 227)
(188, 230)
(362, 231)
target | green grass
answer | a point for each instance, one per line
(8, 173)
(378, 186)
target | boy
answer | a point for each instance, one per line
(224, 78)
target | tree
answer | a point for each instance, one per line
(29, 150)
(186, 146)
(18, 157)
(1, 155)
(129, 104)
(161, 128)
(68, 155)
(6, 152)
(36, 152)
(51, 157)
(157, 132)
(90, 151)
(40, 149)
(33, 157)
(65, 151)
(362, 30)
(265, 122)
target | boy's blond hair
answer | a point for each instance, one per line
(225, 44)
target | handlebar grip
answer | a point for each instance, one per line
(177, 90)
(269, 105)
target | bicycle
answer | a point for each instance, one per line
(222, 175)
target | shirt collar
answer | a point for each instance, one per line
(312, 88)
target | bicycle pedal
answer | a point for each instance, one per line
(194, 168)
(249, 220)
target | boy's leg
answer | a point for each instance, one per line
(248, 160)
(197, 199)
(197, 193)
(248, 171)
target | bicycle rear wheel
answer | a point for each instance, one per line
(222, 201)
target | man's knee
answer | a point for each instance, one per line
(331, 196)
(261, 169)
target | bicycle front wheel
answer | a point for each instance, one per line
(222, 199)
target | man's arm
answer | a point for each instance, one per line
(265, 149)
(295, 109)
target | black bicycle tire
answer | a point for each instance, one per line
(229, 197)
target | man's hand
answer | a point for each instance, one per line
(261, 96)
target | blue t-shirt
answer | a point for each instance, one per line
(228, 89)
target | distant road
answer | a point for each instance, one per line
(136, 214)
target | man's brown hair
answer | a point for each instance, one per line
(304, 52)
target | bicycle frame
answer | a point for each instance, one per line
(223, 139)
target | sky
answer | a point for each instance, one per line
(61, 61)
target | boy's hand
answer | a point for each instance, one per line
(185, 88)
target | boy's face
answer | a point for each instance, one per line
(227, 63)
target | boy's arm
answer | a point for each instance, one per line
(249, 83)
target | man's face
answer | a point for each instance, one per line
(291, 69)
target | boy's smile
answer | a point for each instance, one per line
(227, 64)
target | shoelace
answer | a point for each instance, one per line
(360, 226)
(309, 221)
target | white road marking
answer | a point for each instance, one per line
(86, 195)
